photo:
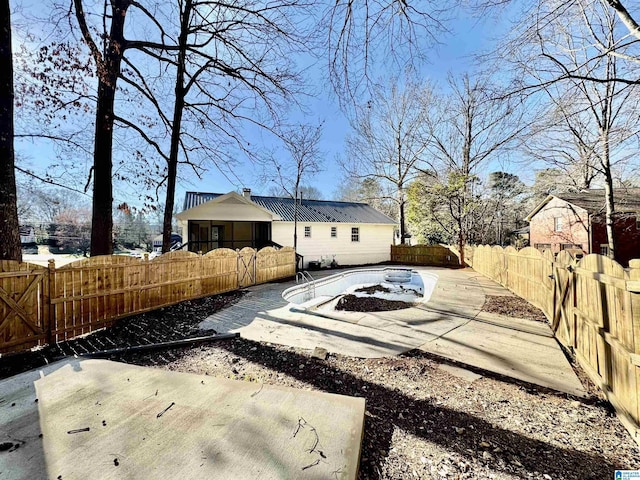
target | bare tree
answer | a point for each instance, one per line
(389, 141)
(229, 54)
(306, 191)
(470, 127)
(368, 33)
(10, 248)
(566, 141)
(303, 160)
(581, 60)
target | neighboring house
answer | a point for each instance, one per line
(351, 233)
(577, 220)
(27, 234)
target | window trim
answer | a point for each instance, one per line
(355, 234)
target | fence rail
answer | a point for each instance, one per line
(593, 305)
(40, 305)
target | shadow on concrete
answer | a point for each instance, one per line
(389, 409)
(22, 452)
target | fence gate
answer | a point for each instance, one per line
(24, 309)
(246, 267)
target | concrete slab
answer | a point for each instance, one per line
(107, 420)
(514, 352)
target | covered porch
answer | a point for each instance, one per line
(207, 235)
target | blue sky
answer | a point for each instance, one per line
(467, 36)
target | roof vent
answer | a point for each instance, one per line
(246, 193)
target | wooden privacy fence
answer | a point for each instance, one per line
(434, 255)
(40, 305)
(593, 305)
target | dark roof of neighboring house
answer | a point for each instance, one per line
(308, 210)
(627, 200)
(593, 200)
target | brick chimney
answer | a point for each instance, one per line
(246, 193)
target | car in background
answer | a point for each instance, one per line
(30, 248)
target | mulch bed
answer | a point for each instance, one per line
(373, 289)
(512, 306)
(352, 303)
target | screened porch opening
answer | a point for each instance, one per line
(207, 235)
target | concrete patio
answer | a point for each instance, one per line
(82, 419)
(451, 324)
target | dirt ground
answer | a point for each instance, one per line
(422, 421)
(351, 303)
(512, 306)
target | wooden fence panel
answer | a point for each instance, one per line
(39, 304)
(89, 294)
(633, 287)
(272, 264)
(433, 255)
(174, 277)
(594, 309)
(24, 306)
(219, 271)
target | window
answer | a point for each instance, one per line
(557, 224)
(355, 234)
(604, 250)
(334, 232)
(307, 232)
(568, 246)
(542, 246)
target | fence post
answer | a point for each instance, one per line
(255, 266)
(51, 289)
(147, 290)
(634, 292)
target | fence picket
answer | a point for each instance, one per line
(83, 296)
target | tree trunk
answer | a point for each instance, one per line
(10, 248)
(102, 214)
(608, 193)
(402, 228)
(461, 243)
(172, 168)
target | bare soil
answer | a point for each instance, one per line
(512, 306)
(421, 421)
(351, 303)
(373, 289)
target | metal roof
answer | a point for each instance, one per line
(308, 210)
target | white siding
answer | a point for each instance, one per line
(374, 245)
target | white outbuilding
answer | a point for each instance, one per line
(348, 233)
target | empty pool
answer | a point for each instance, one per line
(402, 284)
